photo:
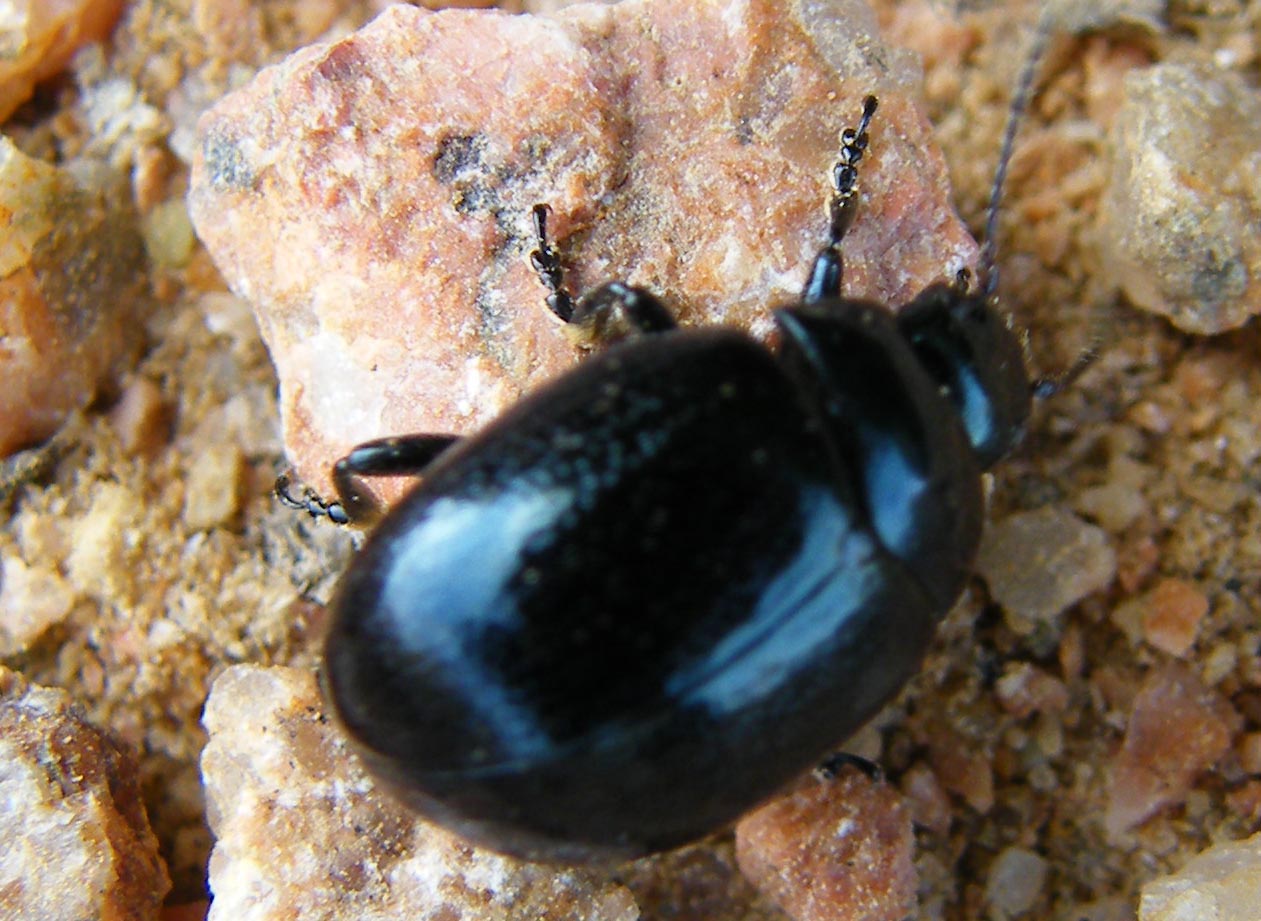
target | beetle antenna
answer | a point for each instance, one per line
(988, 270)
(1046, 387)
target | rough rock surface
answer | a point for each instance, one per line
(1185, 195)
(37, 38)
(74, 838)
(371, 197)
(1222, 884)
(301, 833)
(71, 295)
(833, 849)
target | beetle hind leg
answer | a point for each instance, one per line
(610, 312)
(404, 455)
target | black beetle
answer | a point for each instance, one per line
(662, 586)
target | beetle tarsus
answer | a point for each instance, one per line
(831, 768)
(547, 265)
(610, 312)
(311, 503)
(826, 274)
(1046, 387)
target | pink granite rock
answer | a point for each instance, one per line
(371, 197)
(301, 832)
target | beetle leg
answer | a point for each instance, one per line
(547, 264)
(616, 310)
(310, 502)
(825, 276)
(404, 455)
(1046, 387)
(832, 766)
(610, 312)
(401, 455)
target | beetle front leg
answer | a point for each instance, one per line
(404, 455)
(612, 311)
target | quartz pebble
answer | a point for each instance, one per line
(962, 769)
(1038, 564)
(1025, 689)
(37, 38)
(302, 833)
(213, 492)
(142, 417)
(928, 800)
(1177, 729)
(74, 838)
(70, 296)
(1222, 884)
(371, 197)
(1185, 195)
(832, 850)
(32, 599)
(1015, 882)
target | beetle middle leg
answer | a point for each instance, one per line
(825, 276)
(612, 311)
(404, 455)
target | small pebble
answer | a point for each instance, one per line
(142, 417)
(39, 38)
(1040, 563)
(1114, 505)
(168, 234)
(1024, 689)
(1177, 729)
(963, 770)
(1250, 753)
(929, 802)
(1172, 615)
(32, 599)
(1182, 204)
(212, 496)
(832, 850)
(105, 545)
(1015, 881)
(71, 277)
